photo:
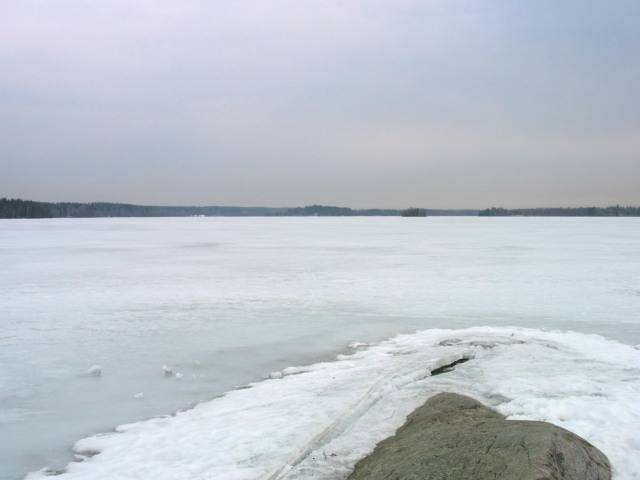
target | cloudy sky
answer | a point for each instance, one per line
(363, 103)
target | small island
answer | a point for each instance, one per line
(414, 212)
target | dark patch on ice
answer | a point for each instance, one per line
(52, 472)
(84, 454)
(486, 344)
(497, 399)
(449, 367)
(552, 346)
(291, 374)
(398, 353)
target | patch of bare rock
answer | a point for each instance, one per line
(454, 437)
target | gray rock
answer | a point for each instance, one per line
(453, 437)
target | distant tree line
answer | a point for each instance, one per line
(16, 208)
(614, 211)
(414, 212)
(329, 211)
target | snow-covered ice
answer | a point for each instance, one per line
(318, 423)
(250, 296)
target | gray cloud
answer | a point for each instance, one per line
(287, 102)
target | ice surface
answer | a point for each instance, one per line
(316, 423)
(250, 296)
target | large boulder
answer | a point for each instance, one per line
(453, 437)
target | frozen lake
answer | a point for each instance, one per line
(226, 301)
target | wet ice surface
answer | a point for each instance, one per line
(224, 302)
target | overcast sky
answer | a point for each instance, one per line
(363, 103)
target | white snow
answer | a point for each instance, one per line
(318, 423)
(95, 370)
(249, 296)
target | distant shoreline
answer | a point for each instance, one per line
(18, 208)
(612, 211)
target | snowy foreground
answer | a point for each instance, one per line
(109, 321)
(316, 422)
